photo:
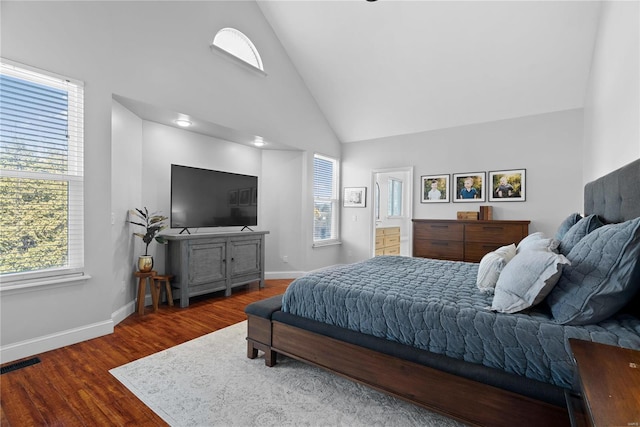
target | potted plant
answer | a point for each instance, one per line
(153, 224)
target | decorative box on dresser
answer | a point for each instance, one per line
(460, 240)
(388, 241)
(204, 263)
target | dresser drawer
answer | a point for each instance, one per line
(439, 231)
(395, 250)
(438, 249)
(474, 251)
(500, 234)
(385, 231)
(391, 240)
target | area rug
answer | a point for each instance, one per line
(209, 381)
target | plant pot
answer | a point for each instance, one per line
(145, 263)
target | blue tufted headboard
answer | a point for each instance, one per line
(615, 197)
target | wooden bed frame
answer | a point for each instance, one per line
(469, 401)
(466, 400)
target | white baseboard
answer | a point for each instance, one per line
(283, 274)
(39, 345)
(124, 312)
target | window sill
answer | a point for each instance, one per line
(327, 243)
(48, 283)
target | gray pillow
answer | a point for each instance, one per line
(580, 229)
(569, 222)
(527, 279)
(537, 241)
(604, 275)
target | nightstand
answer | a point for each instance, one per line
(610, 383)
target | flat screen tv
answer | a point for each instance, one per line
(210, 198)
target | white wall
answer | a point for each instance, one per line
(157, 53)
(283, 178)
(126, 184)
(548, 146)
(612, 107)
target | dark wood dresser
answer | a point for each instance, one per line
(461, 240)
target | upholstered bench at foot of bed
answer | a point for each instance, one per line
(259, 328)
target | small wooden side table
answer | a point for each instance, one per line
(610, 382)
(158, 279)
(142, 288)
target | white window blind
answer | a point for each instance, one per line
(325, 199)
(41, 174)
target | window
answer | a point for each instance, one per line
(41, 174)
(325, 200)
(237, 44)
(395, 197)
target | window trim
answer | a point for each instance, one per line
(335, 203)
(228, 54)
(74, 271)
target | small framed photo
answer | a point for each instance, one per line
(233, 198)
(244, 197)
(508, 185)
(355, 197)
(469, 187)
(435, 188)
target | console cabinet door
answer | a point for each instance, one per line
(246, 257)
(207, 262)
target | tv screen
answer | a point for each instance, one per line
(209, 198)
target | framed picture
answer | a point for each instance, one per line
(435, 188)
(468, 187)
(508, 185)
(244, 197)
(355, 197)
(233, 198)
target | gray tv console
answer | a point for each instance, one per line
(211, 262)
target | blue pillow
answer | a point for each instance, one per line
(603, 276)
(569, 222)
(580, 229)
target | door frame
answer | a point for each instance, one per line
(408, 203)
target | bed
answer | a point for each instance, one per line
(426, 331)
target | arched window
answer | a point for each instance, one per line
(237, 44)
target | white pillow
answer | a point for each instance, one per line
(537, 241)
(527, 280)
(491, 265)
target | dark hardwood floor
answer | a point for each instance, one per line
(72, 385)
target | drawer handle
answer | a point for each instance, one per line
(492, 228)
(440, 243)
(439, 226)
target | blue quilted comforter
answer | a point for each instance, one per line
(435, 305)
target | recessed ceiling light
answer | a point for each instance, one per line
(183, 123)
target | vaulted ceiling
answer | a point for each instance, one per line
(393, 67)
